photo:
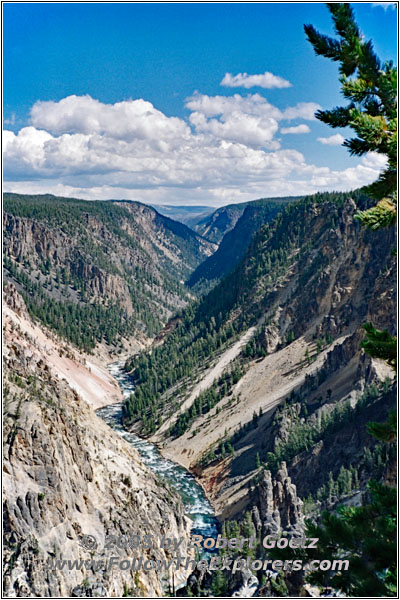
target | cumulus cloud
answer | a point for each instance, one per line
(224, 152)
(332, 140)
(128, 120)
(252, 104)
(250, 119)
(264, 80)
(251, 130)
(297, 129)
(302, 110)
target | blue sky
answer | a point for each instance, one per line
(125, 100)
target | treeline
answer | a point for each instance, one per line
(72, 216)
(179, 359)
(101, 240)
(372, 464)
(206, 400)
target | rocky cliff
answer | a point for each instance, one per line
(120, 264)
(216, 225)
(68, 476)
(277, 508)
(234, 243)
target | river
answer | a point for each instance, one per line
(196, 504)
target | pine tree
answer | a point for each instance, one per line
(364, 535)
(386, 432)
(371, 88)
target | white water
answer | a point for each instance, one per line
(197, 507)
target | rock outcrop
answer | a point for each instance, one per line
(278, 509)
(71, 484)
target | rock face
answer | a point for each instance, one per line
(213, 227)
(67, 475)
(100, 253)
(278, 508)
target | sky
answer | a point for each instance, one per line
(177, 103)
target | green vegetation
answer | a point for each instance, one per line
(380, 344)
(371, 88)
(203, 330)
(177, 359)
(366, 536)
(206, 400)
(236, 241)
(92, 272)
(255, 348)
(74, 217)
(373, 462)
(303, 434)
(82, 324)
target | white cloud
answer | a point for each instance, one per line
(225, 152)
(302, 110)
(384, 5)
(250, 119)
(11, 120)
(333, 140)
(252, 104)
(297, 129)
(239, 127)
(264, 80)
(128, 120)
(212, 106)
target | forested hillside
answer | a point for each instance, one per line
(293, 252)
(234, 243)
(267, 368)
(221, 221)
(98, 271)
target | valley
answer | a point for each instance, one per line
(252, 384)
(200, 300)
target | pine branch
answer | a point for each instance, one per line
(384, 186)
(337, 117)
(372, 113)
(386, 432)
(323, 45)
(380, 344)
(343, 18)
(357, 146)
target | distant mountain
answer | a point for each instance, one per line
(189, 215)
(234, 243)
(215, 226)
(98, 271)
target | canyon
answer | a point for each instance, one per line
(252, 383)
